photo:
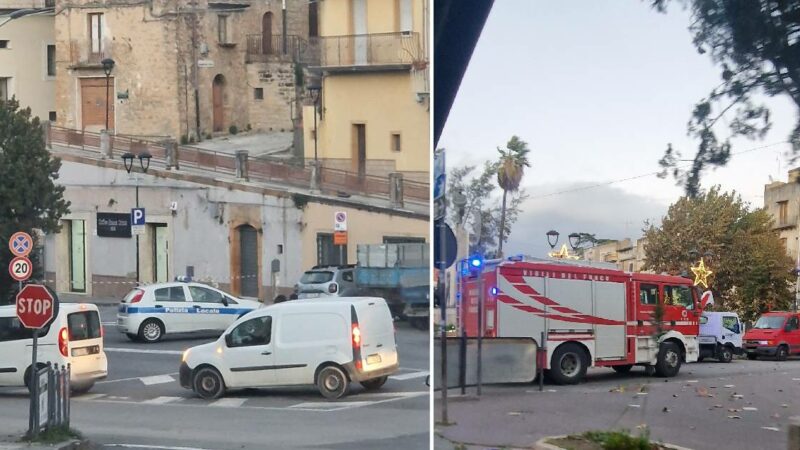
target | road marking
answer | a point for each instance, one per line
(148, 352)
(408, 376)
(158, 447)
(162, 400)
(329, 406)
(157, 379)
(128, 379)
(232, 402)
(771, 428)
(89, 396)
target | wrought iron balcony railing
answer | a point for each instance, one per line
(378, 49)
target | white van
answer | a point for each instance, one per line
(74, 337)
(720, 336)
(327, 342)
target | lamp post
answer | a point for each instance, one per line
(144, 162)
(108, 66)
(552, 238)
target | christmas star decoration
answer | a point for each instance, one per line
(562, 254)
(701, 274)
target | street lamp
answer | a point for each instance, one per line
(574, 240)
(552, 238)
(108, 66)
(315, 89)
(144, 162)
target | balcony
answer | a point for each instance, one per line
(81, 56)
(298, 50)
(371, 52)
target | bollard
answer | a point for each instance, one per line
(51, 396)
(57, 388)
(67, 395)
(462, 362)
(794, 433)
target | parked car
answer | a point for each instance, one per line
(328, 342)
(74, 337)
(774, 334)
(720, 336)
(327, 281)
(150, 312)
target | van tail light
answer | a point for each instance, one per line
(138, 297)
(102, 331)
(355, 333)
(63, 342)
(333, 287)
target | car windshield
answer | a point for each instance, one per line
(315, 277)
(769, 322)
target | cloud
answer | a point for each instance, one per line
(607, 212)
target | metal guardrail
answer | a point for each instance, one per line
(298, 49)
(50, 392)
(370, 49)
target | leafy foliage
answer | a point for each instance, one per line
(756, 44)
(752, 273)
(510, 168)
(29, 197)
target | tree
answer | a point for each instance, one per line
(757, 47)
(29, 197)
(481, 213)
(510, 168)
(752, 272)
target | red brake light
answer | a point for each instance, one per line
(63, 341)
(356, 336)
(332, 288)
(138, 297)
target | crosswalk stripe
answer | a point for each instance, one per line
(232, 402)
(157, 379)
(408, 376)
(162, 400)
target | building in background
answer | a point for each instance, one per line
(782, 202)
(184, 69)
(28, 56)
(626, 254)
(374, 106)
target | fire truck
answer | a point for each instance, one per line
(590, 315)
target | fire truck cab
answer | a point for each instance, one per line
(590, 316)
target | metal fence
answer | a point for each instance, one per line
(370, 49)
(50, 392)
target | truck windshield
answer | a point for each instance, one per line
(679, 296)
(316, 277)
(769, 322)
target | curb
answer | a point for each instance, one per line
(542, 444)
(74, 444)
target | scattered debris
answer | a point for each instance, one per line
(675, 395)
(634, 406)
(514, 413)
(784, 405)
(692, 381)
(750, 408)
(729, 386)
(734, 417)
(717, 406)
(776, 416)
(771, 428)
(665, 409)
(737, 396)
(618, 389)
(734, 410)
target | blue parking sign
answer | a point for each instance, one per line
(137, 216)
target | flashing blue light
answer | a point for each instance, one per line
(475, 262)
(494, 291)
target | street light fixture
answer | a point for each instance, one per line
(144, 163)
(552, 238)
(574, 240)
(108, 66)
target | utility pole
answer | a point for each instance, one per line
(284, 27)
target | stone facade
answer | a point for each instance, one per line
(165, 51)
(782, 202)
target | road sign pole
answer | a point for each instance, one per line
(443, 310)
(138, 278)
(33, 429)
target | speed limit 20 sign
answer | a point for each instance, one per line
(20, 268)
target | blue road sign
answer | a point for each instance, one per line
(20, 243)
(137, 216)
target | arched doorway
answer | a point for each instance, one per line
(218, 92)
(248, 261)
(266, 33)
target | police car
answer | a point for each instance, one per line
(147, 313)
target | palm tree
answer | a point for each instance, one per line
(510, 168)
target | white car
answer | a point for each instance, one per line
(147, 313)
(327, 342)
(74, 337)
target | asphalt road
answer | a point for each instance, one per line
(142, 405)
(709, 405)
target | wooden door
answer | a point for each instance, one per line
(217, 102)
(93, 103)
(266, 34)
(360, 149)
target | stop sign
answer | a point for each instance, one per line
(35, 306)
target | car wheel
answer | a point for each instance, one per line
(752, 356)
(332, 382)
(374, 384)
(132, 336)
(668, 362)
(569, 364)
(625, 368)
(208, 383)
(782, 353)
(725, 354)
(151, 331)
(28, 375)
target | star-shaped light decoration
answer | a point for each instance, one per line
(562, 254)
(701, 274)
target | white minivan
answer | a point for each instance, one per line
(329, 343)
(74, 337)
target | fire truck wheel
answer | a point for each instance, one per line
(569, 364)
(725, 354)
(668, 363)
(625, 368)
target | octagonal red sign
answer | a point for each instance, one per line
(35, 306)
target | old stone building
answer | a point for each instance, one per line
(782, 202)
(182, 69)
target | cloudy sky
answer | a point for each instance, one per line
(597, 89)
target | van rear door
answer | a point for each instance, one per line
(85, 342)
(378, 348)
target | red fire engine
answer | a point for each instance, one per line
(591, 316)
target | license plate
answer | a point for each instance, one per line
(83, 351)
(373, 359)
